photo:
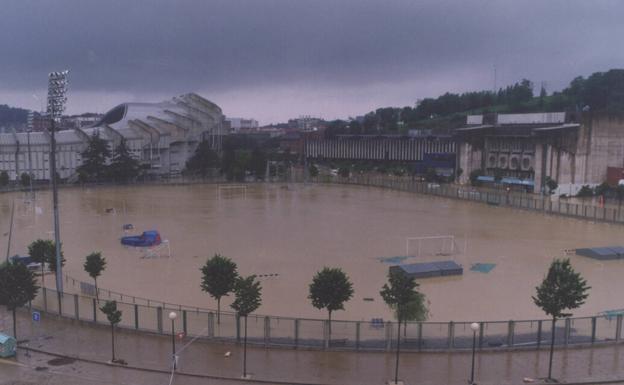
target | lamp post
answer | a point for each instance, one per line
(172, 316)
(475, 327)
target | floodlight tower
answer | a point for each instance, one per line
(29, 129)
(57, 89)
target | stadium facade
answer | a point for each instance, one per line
(162, 136)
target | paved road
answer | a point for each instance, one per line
(201, 358)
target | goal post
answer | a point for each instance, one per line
(231, 188)
(431, 245)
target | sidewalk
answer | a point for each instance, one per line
(204, 358)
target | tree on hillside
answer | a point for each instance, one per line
(218, 279)
(248, 299)
(123, 167)
(94, 159)
(397, 294)
(4, 178)
(203, 160)
(114, 317)
(18, 286)
(330, 289)
(562, 289)
(41, 251)
(94, 266)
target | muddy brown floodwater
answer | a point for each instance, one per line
(285, 233)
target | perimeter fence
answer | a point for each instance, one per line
(531, 202)
(375, 335)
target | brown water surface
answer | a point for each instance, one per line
(290, 232)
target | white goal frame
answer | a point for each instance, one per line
(231, 187)
(421, 240)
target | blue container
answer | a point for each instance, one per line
(7, 346)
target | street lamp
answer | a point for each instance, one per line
(172, 316)
(475, 327)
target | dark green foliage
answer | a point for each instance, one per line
(42, 251)
(24, 179)
(330, 289)
(94, 160)
(18, 286)
(123, 167)
(203, 160)
(12, 116)
(114, 317)
(585, 191)
(112, 314)
(415, 310)
(52, 259)
(474, 175)
(602, 189)
(94, 266)
(257, 163)
(248, 295)
(4, 178)
(218, 278)
(344, 171)
(398, 292)
(562, 289)
(314, 171)
(551, 185)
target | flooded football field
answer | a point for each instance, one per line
(285, 233)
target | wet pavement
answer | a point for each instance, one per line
(208, 364)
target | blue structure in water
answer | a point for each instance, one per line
(429, 269)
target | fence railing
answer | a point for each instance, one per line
(492, 197)
(345, 335)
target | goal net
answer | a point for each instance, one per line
(438, 245)
(231, 189)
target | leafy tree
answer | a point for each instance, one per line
(218, 279)
(114, 317)
(397, 294)
(551, 184)
(602, 189)
(94, 266)
(4, 178)
(124, 167)
(203, 160)
(344, 171)
(562, 289)
(94, 159)
(248, 299)
(18, 286)
(585, 191)
(474, 177)
(258, 162)
(415, 310)
(314, 171)
(330, 289)
(24, 179)
(41, 251)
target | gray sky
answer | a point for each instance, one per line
(276, 59)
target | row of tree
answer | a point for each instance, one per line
(562, 289)
(99, 164)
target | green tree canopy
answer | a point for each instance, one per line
(415, 310)
(18, 286)
(42, 251)
(218, 278)
(203, 160)
(94, 266)
(330, 289)
(114, 317)
(562, 289)
(24, 179)
(94, 159)
(398, 292)
(123, 167)
(4, 178)
(248, 295)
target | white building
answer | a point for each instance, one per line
(241, 124)
(162, 136)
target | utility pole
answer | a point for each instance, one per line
(31, 117)
(57, 88)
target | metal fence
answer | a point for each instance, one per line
(492, 197)
(344, 335)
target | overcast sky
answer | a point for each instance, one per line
(277, 59)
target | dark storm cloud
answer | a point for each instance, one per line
(176, 46)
